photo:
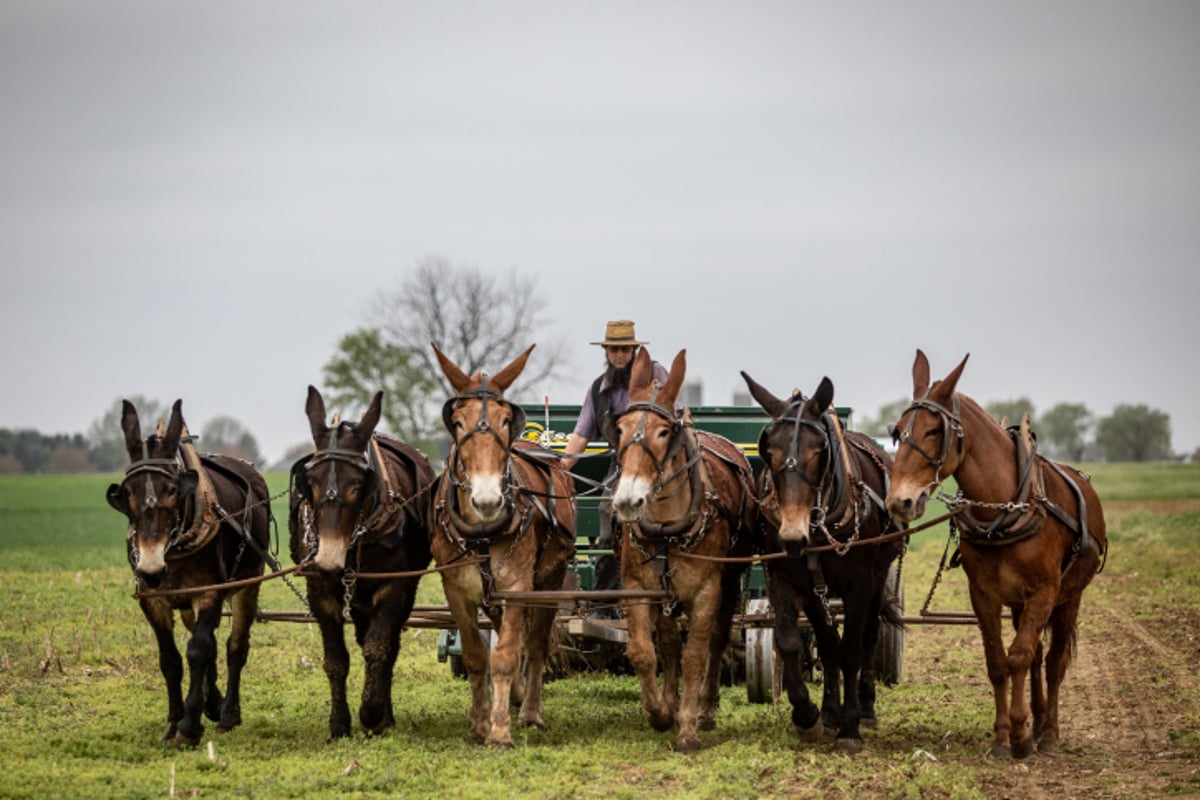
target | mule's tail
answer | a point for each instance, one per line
(890, 614)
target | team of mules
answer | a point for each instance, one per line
(828, 516)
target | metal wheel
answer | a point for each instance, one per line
(889, 649)
(764, 677)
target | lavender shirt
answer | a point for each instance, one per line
(589, 427)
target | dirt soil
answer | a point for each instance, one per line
(1130, 714)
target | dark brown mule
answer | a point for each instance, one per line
(681, 492)
(1032, 538)
(498, 501)
(822, 485)
(359, 504)
(193, 522)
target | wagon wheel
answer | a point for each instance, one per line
(764, 677)
(889, 648)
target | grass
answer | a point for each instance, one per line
(82, 707)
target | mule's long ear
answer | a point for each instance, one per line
(674, 379)
(314, 408)
(370, 417)
(132, 429)
(459, 380)
(769, 402)
(642, 371)
(822, 399)
(505, 377)
(174, 428)
(920, 375)
(948, 384)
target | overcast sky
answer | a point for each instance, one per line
(198, 199)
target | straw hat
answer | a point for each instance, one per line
(619, 333)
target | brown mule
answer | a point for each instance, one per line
(1033, 537)
(499, 502)
(822, 485)
(194, 521)
(681, 492)
(359, 503)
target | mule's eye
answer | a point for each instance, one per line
(663, 433)
(894, 432)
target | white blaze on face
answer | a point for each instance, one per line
(630, 498)
(794, 523)
(331, 554)
(153, 559)
(487, 497)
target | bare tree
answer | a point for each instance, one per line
(482, 321)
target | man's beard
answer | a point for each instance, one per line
(618, 377)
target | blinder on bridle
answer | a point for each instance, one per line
(951, 419)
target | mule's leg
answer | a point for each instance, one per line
(162, 621)
(1037, 691)
(858, 612)
(380, 647)
(639, 647)
(325, 600)
(539, 628)
(789, 641)
(463, 595)
(710, 693)
(1062, 631)
(237, 649)
(866, 674)
(201, 655)
(1034, 617)
(702, 615)
(828, 647)
(987, 612)
(505, 662)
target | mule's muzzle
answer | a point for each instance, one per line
(630, 509)
(795, 548)
(907, 509)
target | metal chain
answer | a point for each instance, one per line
(956, 501)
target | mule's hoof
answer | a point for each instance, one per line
(662, 722)
(1001, 751)
(1022, 748)
(812, 734)
(534, 722)
(499, 744)
(1048, 747)
(849, 747)
(687, 745)
(869, 722)
(706, 723)
(182, 741)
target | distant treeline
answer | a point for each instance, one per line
(33, 451)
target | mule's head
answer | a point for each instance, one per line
(796, 453)
(648, 437)
(483, 427)
(337, 480)
(929, 436)
(156, 492)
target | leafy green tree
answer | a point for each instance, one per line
(105, 439)
(1011, 411)
(1135, 433)
(227, 436)
(480, 320)
(880, 425)
(1063, 431)
(365, 363)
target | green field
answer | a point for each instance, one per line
(82, 706)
